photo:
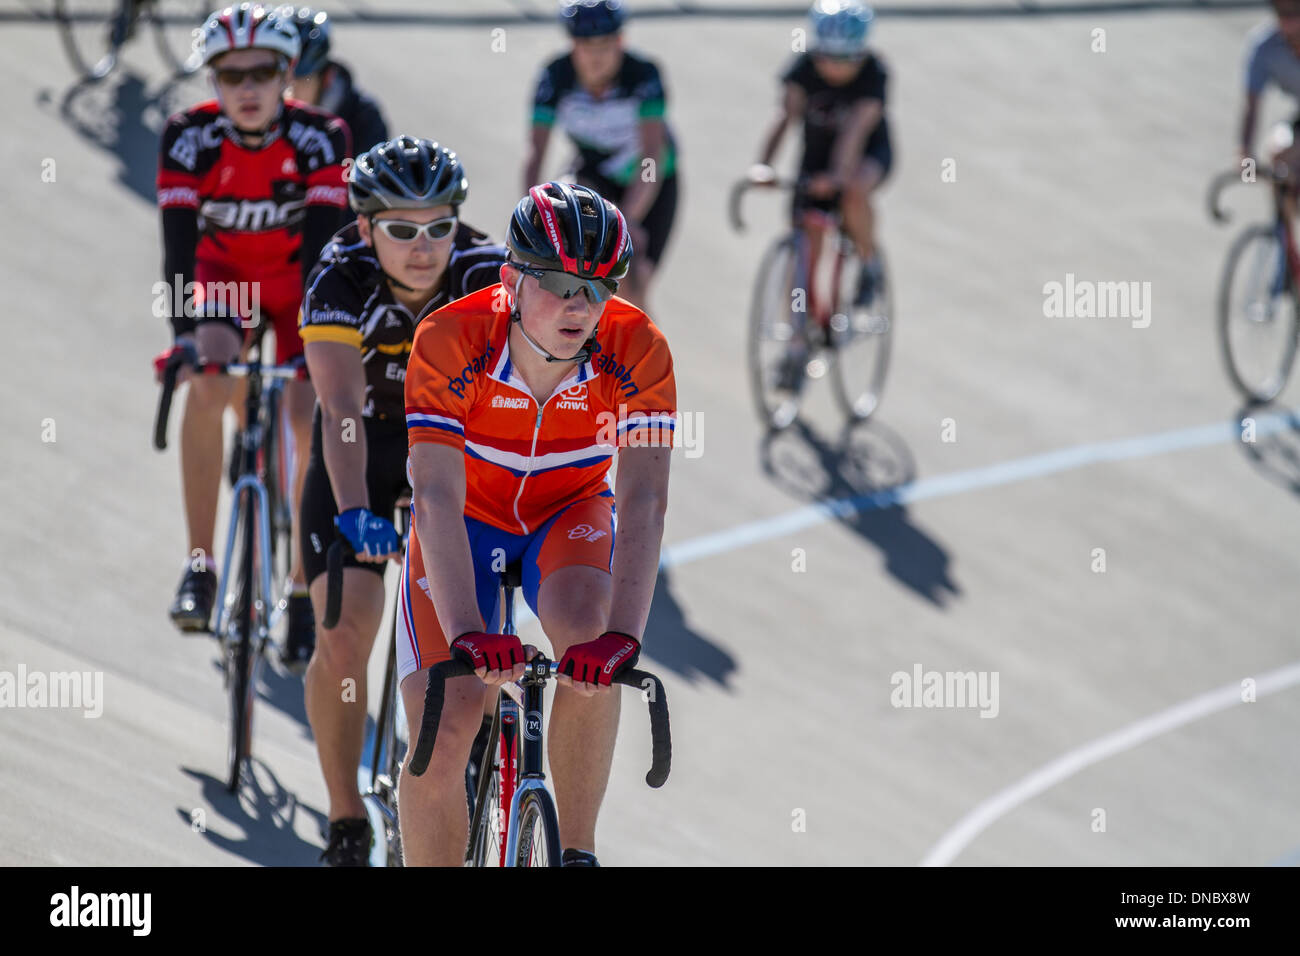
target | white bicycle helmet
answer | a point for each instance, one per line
(250, 26)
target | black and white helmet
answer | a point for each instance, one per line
(249, 26)
(406, 173)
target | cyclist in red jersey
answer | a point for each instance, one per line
(517, 397)
(250, 188)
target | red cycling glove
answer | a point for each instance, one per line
(496, 652)
(596, 662)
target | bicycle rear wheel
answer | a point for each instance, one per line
(861, 336)
(176, 26)
(92, 31)
(539, 831)
(240, 650)
(777, 350)
(1257, 315)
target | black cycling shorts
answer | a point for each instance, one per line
(881, 151)
(385, 482)
(658, 222)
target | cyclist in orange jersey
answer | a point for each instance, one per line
(517, 398)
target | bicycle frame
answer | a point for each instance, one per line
(250, 480)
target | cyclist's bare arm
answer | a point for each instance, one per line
(438, 500)
(641, 493)
(538, 138)
(793, 100)
(846, 154)
(1249, 113)
(642, 190)
(340, 380)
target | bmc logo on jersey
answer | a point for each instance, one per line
(311, 141)
(585, 531)
(250, 215)
(574, 398)
(186, 148)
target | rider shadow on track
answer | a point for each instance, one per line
(112, 116)
(672, 645)
(859, 468)
(266, 826)
(1275, 449)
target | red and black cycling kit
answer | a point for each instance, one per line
(234, 214)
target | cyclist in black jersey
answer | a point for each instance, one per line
(406, 254)
(611, 103)
(327, 84)
(837, 90)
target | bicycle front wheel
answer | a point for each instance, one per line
(861, 336)
(1257, 315)
(777, 351)
(539, 831)
(240, 649)
(176, 26)
(92, 31)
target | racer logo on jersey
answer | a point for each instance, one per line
(503, 401)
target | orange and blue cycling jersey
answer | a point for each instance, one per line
(536, 474)
(525, 460)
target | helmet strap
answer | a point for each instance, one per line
(584, 353)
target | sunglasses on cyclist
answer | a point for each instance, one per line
(566, 285)
(229, 76)
(399, 230)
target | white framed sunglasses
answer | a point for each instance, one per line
(400, 230)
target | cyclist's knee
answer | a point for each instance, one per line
(345, 649)
(216, 341)
(572, 624)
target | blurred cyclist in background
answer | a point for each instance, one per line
(837, 89)
(1273, 56)
(250, 188)
(610, 102)
(327, 84)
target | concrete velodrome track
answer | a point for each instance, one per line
(1118, 690)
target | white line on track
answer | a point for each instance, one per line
(942, 486)
(1126, 738)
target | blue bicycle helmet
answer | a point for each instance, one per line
(314, 32)
(839, 27)
(592, 18)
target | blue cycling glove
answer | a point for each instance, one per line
(367, 533)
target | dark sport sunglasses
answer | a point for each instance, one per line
(261, 75)
(400, 230)
(566, 285)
